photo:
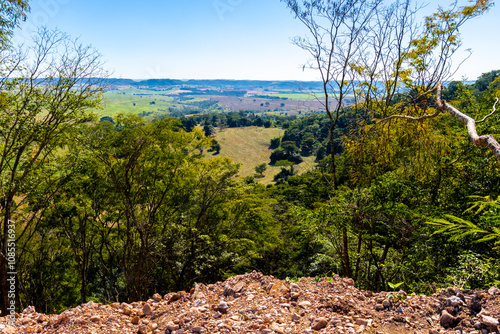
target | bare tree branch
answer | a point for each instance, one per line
(484, 140)
(490, 114)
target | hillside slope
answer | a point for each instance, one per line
(250, 147)
(255, 303)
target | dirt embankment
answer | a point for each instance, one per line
(255, 303)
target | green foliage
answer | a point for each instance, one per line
(485, 81)
(43, 99)
(261, 168)
(472, 272)
(275, 143)
(11, 13)
(281, 154)
(125, 207)
(394, 286)
(458, 228)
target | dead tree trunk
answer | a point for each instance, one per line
(470, 123)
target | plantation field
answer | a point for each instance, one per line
(295, 96)
(250, 147)
(135, 101)
(151, 102)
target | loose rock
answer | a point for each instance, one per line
(447, 320)
(319, 323)
(255, 303)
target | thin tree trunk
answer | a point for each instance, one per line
(358, 260)
(378, 273)
(347, 264)
(332, 154)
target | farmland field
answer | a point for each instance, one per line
(250, 147)
(177, 100)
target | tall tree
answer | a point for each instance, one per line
(164, 198)
(377, 54)
(44, 91)
(337, 32)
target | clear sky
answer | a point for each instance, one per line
(213, 39)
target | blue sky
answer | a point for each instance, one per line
(213, 39)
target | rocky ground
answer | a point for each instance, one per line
(255, 303)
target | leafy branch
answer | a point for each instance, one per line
(458, 228)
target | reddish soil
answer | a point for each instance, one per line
(252, 103)
(255, 303)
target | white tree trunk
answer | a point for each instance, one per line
(484, 140)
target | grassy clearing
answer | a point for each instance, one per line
(144, 102)
(134, 101)
(250, 147)
(295, 96)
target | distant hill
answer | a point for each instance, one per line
(292, 86)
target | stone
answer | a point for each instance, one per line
(198, 302)
(295, 317)
(447, 320)
(198, 291)
(6, 329)
(489, 321)
(143, 329)
(305, 304)
(455, 301)
(493, 291)
(95, 318)
(362, 322)
(238, 287)
(349, 281)
(29, 309)
(126, 309)
(172, 327)
(328, 306)
(222, 307)
(146, 309)
(277, 329)
(173, 297)
(319, 323)
(386, 304)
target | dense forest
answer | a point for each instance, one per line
(120, 208)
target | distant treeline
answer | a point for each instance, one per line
(292, 86)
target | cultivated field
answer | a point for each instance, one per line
(149, 102)
(279, 106)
